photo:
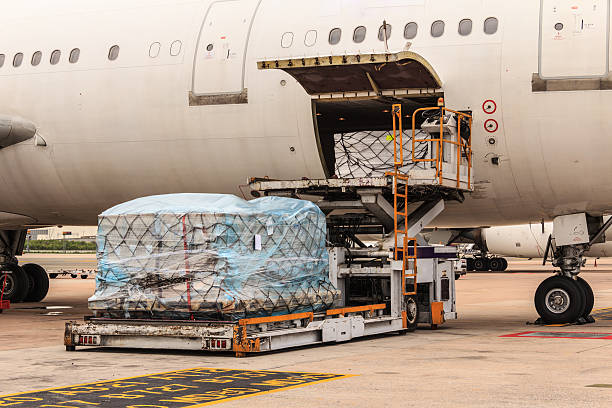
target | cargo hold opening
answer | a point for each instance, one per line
(354, 93)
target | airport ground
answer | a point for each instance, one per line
(465, 363)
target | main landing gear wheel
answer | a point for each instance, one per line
(560, 299)
(589, 297)
(412, 313)
(496, 264)
(39, 282)
(504, 264)
(481, 264)
(17, 282)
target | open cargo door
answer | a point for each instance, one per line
(354, 93)
(360, 75)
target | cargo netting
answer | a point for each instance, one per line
(211, 256)
(370, 153)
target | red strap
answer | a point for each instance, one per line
(185, 247)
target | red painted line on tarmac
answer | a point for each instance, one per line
(561, 335)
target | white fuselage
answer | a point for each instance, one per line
(120, 129)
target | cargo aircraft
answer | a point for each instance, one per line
(106, 101)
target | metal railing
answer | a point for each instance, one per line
(464, 145)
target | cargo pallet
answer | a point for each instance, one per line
(383, 291)
(434, 305)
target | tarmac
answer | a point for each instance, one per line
(465, 363)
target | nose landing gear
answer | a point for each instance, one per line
(562, 299)
(566, 297)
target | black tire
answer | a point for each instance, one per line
(495, 264)
(481, 264)
(589, 296)
(568, 292)
(73, 276)
(17, 282)
(39, 282)
(505, 264)
(470, 264)
(83, 276)
(53, 275)
(412, 313)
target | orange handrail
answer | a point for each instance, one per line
(401, 229)
(440, 140)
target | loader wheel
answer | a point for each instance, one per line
(412, 313)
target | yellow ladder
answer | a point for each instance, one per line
(400, 180)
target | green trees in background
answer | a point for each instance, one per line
(60, 245)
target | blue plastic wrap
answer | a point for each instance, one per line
(211, 256)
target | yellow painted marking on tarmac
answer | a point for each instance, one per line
(338, 376)
(599, 385)
(271, 391)
(105, 381)
(558, 325)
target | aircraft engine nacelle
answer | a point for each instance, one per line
(15, 130)
(529, 241)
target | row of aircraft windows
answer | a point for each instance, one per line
(411, 29)
(73, 57)
(56, 55)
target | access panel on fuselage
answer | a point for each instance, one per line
(219, 61)
(574, 38)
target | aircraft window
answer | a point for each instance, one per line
(490, 25)
(287, 40)
(55, 57)
(334, 36)
(2, 58)
(36, 58)
(465, 26)
(437, 28)
(310, 38)
(410, 31)
(209, 47)
(154, 50)
(384, 31)
(359, 34)
(113, 52)
(175, 48)
(17, 60)
(74, 55)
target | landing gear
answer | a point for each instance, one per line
(39, 282)
(560, 299)
(589, 297)
(17, 282)
(29, 282)
(487, 264)
(567, 298)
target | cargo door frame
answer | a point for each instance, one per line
(362, 86)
